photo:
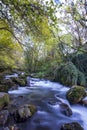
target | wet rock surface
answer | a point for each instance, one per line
(72, 126)
(4, 117)
(76, 94)
(4, 99)
(24, 112)
(65, 109)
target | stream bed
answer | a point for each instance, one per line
(46, 96)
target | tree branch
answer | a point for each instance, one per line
(4, 28)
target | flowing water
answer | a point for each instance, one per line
(47, 95)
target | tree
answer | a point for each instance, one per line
(74, 14)
(25, 17)
(10, 51)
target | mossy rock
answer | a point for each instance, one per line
(76, 94)
(24, 112)
(23, 76)
(4, 117)
(19, 81)
(4, 99)
(6, 84)
(71, 126)
(32, 109)
(4, 88)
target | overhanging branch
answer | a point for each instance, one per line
(4, 28)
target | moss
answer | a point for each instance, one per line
(32, 109)
(76, 94)
(5, 85)
(72, 126)
(19, 81)
(4, 88)
(4, 99)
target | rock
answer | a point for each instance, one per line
(24, 112)
(18, 80)
(75, 94)
(6, 84)
(32, 108)
(4, 115)
(65, 109)
(54, 101)
(71, 126)
(14, 127)
(4, 99)
(15, 87)
(9, 82)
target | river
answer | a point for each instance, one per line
(46, 96)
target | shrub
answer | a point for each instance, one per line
(67, 74)
(81, 79)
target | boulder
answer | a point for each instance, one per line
(32, 108)
(76, 94)
(71, 126)
(65, 109)
(18, 80)
(6, 84)
(4, 116)
(14, 127)
(24, 112)
(4, 99)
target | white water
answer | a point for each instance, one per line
(43, 87)
(12, 75)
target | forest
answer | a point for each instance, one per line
(45, 39)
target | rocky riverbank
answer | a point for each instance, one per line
(14, 110)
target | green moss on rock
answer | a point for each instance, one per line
(76, 94)
(19, 81)
(71, 126)
(6, 84)
(4, 99)
(32, 109)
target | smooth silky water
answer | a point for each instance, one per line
(46, 95)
